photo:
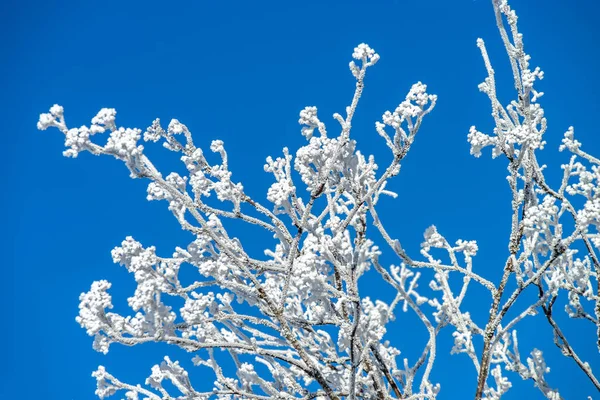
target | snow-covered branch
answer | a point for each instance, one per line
(299, 327)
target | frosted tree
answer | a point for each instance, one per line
(299, 327)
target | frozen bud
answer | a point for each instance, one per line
(154, 131)
(105, 117)
(569, 141)
(57, 111)
(432, 238)
(216, 146)
(366, 54)
(48, 120)
(175, 127)
(308, 117)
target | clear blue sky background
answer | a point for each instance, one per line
(241, 72)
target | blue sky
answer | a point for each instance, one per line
(241, 72)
